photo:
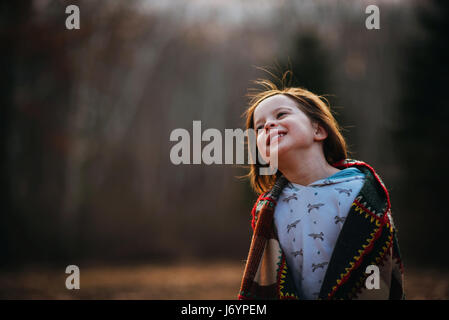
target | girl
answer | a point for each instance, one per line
(322, 223)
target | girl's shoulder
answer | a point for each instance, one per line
(373, 185)
(353, 166)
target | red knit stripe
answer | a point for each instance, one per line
(279, 275)
(369, 212)
(253, 211)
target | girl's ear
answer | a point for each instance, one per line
(319, 132)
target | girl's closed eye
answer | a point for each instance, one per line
(280, 114)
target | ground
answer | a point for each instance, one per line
(212, 280)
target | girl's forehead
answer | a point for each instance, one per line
(272, 103)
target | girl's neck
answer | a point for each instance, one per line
(306, 166)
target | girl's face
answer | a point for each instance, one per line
(280, 123)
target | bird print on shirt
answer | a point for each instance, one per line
(317, 236)
(342, 190)
(319, 265)
(339, 219)
(309, 256)
(292, 225)
(314, 206)
(297, 253)
(293, 196)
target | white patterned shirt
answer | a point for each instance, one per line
(308, 220)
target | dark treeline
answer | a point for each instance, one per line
(422, 133)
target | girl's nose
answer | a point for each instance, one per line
(270, 124)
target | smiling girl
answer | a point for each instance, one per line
(322, 222)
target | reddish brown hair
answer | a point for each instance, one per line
(315, 107)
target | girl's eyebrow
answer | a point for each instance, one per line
(274, 111)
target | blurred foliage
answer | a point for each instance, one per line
(310, 64)
(87, 114)
(422, 134)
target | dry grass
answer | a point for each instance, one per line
(426, 284)
(219, 280)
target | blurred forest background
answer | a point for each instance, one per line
(86, 117)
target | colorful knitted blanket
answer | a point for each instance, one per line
(368, 237)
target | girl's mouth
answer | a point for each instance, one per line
(275, 136)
